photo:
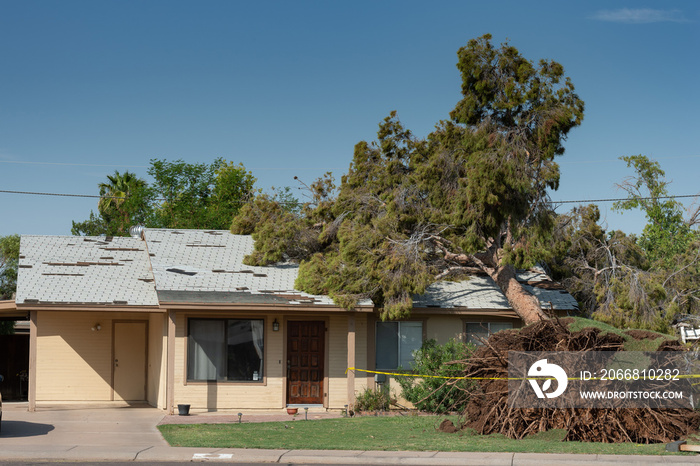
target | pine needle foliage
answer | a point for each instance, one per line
(410, 211)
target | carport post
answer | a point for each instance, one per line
(31, 396)
(170, 377)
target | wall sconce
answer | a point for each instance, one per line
(275, 326)
(96, 327)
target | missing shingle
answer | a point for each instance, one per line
(64, 274)
(107, 258)
(25, 266)
(122, 249)
(147, 280)
(205, 245)
(262, 275)
(120, 302)
(214, 233)
(242, 288)
(180, 271)
(176, 233)
(27, 300)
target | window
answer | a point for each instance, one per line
(396, 342)
(225, 349)
(477, 331)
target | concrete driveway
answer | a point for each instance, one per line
(62, 429)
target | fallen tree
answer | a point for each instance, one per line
(488, 411)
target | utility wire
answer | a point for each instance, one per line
(624, 199)
(148, 166)
(91, 196)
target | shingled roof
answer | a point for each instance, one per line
(480, 292)
(206, 266)
(84, 270)
(201, 266)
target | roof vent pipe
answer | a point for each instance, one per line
(138, 231)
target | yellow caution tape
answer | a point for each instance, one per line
(687, 376)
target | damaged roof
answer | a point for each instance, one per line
(206, 266)
(84, 270)
(481, 292)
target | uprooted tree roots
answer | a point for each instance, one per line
(488, 412)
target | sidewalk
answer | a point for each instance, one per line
(65, 433)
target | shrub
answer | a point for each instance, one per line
(373, 400)
(438, 395)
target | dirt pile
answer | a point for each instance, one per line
(488, 411)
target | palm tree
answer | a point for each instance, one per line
(113, 196)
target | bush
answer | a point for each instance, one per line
(438, 395)
(373, 400)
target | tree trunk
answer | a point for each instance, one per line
(524, 304)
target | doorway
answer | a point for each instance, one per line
(129, 362)
(305, 361)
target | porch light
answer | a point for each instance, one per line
(96, 327)
(275, 326)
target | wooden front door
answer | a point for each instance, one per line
(305, 356)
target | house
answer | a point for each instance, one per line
(175, 317)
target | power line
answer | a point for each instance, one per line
(560, 162)
(148, 166)
(50, 194)
(73, 164)
(582, 201)
(624, 199)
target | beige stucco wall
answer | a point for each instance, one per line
(156, 379)
(337, 379)
(271, 394)
(74, 363)
(203, 396)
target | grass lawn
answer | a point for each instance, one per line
(416, 433)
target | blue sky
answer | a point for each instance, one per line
(289, 87)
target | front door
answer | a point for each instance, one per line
(129, 361)
(305, 356)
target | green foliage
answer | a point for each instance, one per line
(183, 195)
(125, 200)
(410, 209)
(433, 394)
(199, 195)
(9, 261)
(666, 234)
(373, 400)
(628, 282)
(93, 226)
